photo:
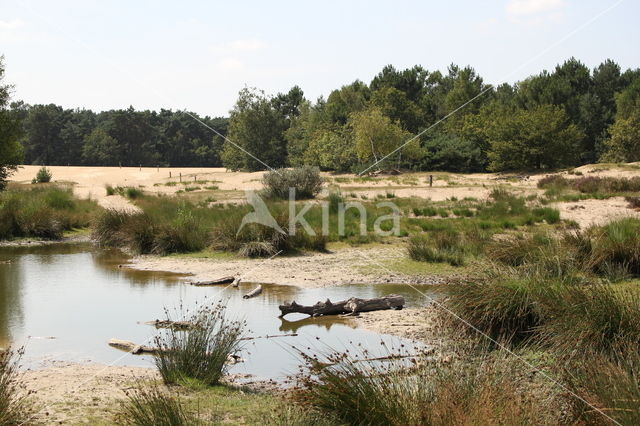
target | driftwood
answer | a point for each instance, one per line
(131, 347)
(236, 282)
(253, 293)
(175, 325)
(135, 349)
(219, 281)
(350, 307)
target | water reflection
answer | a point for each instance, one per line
(79, 295)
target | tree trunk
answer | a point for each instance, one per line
(351, 306)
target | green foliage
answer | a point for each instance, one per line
(562, 117)
(202, 351)
(10, 149)
(376, 136)
(453, 153)
(44, 175)
(256, 129)
(99, 149)
(624, 143)
(540, 138)
(306, 181)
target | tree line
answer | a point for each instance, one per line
(565, 117)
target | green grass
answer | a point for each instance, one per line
(43, 212)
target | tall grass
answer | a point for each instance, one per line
(202, 351)
(150, 405)
(612, 387)
(370, 393)
(14, 406)
(44, 212)
(592, 320)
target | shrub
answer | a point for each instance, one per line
(132, 193)
(557, 182)
(152, 406)
(202, 351)
(306, 180)
(110, 189)
(44, 175)
(14, 407)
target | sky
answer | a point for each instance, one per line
(197, 55)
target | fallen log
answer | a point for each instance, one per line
(175, 325)
(351, 306)
(253, 293)
(125, 345)
(219, 281)
(135, 349)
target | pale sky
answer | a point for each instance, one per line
(198, 54)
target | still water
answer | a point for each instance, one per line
(64, 302)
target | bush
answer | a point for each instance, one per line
(306, 180)
(44, 175)
(110, 190)
(200, 352)
(132, 193)
(152, 406)
(14, 409)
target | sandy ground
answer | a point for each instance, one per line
(343, 266)
(69, 393)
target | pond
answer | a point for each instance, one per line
(65, 301)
